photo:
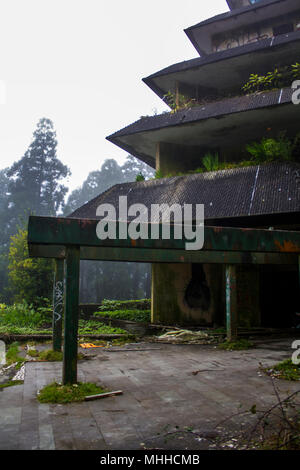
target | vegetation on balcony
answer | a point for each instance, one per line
(268, 150)
(280, 77)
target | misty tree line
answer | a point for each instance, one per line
(35, 185)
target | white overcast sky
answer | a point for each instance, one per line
(80, 63)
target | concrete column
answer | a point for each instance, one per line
(231, 302)
(174, 158)
(170, 281)
(170, 304)
(71, 315)
(248, 296)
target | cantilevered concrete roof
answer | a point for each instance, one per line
(222, 124)
(268, 189)
(201, 34)
(233, 65)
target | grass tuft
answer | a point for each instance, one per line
(285, 370)
(57, 393)
(11, 383)
(238, 345)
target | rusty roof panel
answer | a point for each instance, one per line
(255, 190)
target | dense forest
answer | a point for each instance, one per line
(35, 185)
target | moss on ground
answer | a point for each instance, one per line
(129, 315)
(11, 383)
(238, 345)
(95, 327)
(12, 355)
(285, 370)
(57, 393)
(50, 356)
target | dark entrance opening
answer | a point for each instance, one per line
(279, 297)
(197, 294)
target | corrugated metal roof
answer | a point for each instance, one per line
(248, 191)
(210, 110)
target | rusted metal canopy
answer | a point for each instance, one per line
(47, 237)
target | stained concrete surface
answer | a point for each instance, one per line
(166, 389)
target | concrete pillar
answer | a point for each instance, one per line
(248, 296)
(231, 302)
(181, 297)
(170, 282)
(69, 374)
(174, 158)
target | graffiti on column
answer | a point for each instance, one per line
(58, 300)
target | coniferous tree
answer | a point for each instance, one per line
(35, 180)
(31, 186)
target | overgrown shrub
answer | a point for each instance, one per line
(211, 162)
(20, 315)
(94, 327)
(269, 149)
(280, 77)
(110, 305)
(130, 315)
(30, 279)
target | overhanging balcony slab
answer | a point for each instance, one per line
(233, 65)
(221, 125)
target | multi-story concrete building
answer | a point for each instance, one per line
(213, 114)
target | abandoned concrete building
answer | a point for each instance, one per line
(236, 97)
(211, 114)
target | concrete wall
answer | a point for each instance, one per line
(170, 281)
(169, 286)
(254, 33)
(248, 296)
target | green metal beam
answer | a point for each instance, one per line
(58, 304)
(231, 302)
(82, 232)
(149, 255)
(71, 315)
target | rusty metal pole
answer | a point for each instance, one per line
(71, 314)
(58, 304)
(231, 302)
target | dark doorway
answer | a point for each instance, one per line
(279, 297)
(197, 294)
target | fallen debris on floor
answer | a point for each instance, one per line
(103, 395)
(20, 374)
(90, 345)
(186, 336)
